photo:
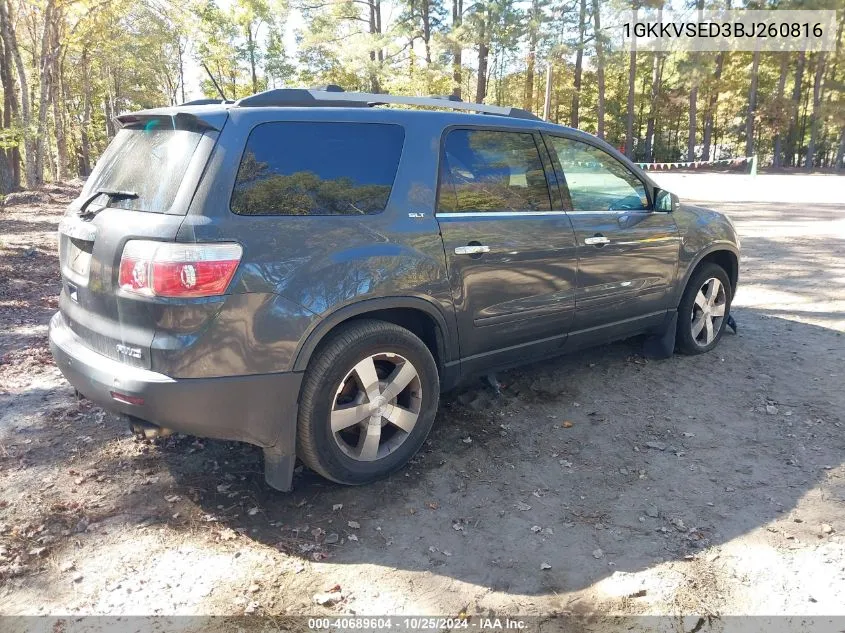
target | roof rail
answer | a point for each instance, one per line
(300, 97)
(205, 102)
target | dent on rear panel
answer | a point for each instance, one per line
(366, 271)
(254, 333)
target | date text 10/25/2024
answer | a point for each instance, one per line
(422, 623)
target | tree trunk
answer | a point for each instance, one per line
(380, 51)
(778, 143)
(457, 50)
(802, 133)
(426, 31)
(375, 29)
(792, 136)
(656, 77)
(599, 67)
(250, 42)
(84, 130)
(11, 44)
(652, 109)
(752, 106)
(711, 107)
(531, 59)
(59, 123)
(693, 97)
(49, 53)
(181, 47)
(629, 122)
(579, 60)
(10, 114)
(816, 115)
(483, 53)
(840, 153)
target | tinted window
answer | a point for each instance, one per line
(597, 181)
(149, 161)
(295, 168)
(485, 170)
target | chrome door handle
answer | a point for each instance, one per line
(598, 240)
(474, 249)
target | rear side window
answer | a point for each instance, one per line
(485, 170)
(149, 161)
(317, 168)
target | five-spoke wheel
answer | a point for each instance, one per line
(376, 406)
(709, 311)
(704, 309)
(368, 401)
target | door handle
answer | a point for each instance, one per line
(471, 249)
(597, 240)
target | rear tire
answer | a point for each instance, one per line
(368, 401)
(704, 309)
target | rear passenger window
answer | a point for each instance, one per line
(483, 170)
(316, 168)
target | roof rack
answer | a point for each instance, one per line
(335, 97)
(205, 102)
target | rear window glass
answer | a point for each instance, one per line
(317, 168)
(149, 161)
(486, 170)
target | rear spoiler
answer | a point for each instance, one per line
(175, 121)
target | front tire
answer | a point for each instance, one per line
(704, 309)
(368, 401)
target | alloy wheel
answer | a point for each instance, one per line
(376, 406)
(708, 311)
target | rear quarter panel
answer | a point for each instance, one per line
(296, 271)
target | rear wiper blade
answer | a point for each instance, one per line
(111, 193)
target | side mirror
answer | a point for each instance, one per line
(665, 201)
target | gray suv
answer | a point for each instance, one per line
(307, 271)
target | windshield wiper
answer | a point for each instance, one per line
(111, 193)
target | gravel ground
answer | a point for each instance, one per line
(597, 483)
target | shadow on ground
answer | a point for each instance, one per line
(662, 459)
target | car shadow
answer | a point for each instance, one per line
(597, 462)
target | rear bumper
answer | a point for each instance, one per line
(259, 409)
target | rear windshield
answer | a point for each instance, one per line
(149, 161)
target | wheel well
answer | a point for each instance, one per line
(727, 260)
(416, 321)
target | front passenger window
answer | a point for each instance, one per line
(596, 180)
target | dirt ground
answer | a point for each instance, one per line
(601, 482)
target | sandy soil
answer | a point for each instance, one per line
(600, 482)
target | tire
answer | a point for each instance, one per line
(694, 312)
(339, 387)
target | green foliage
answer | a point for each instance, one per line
(121, 55)
(260, 192)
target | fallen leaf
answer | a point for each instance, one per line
(337, 506)
(353, 524)
(545, 566)
(567, 424)
(328, 599)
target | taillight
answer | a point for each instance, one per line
(166, 269)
